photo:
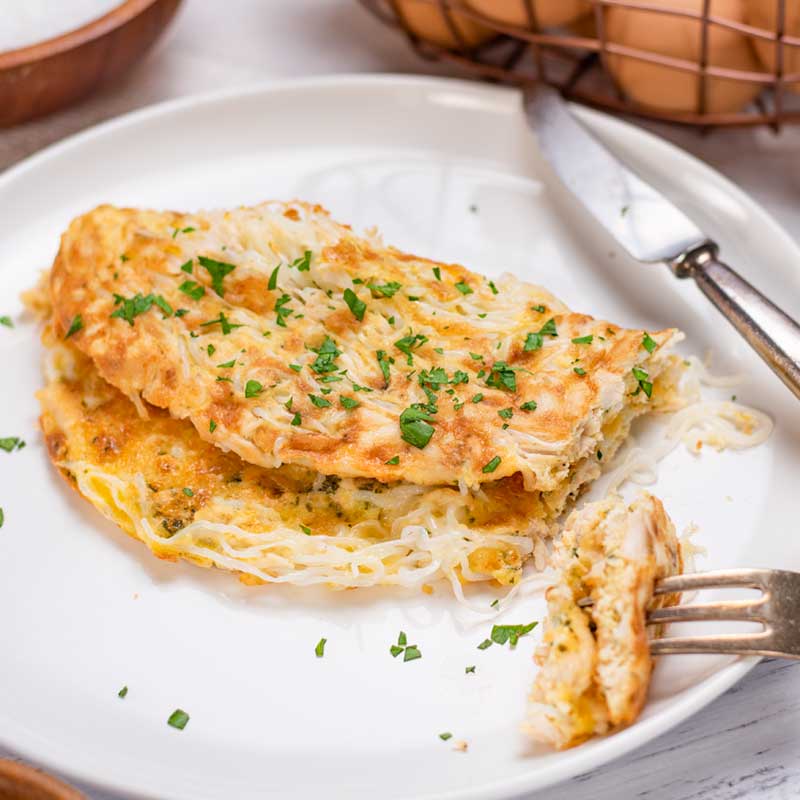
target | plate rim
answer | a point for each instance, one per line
(603, 750)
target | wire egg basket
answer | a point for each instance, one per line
(719, 69)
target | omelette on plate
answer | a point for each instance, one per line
(595, 661)
(183, 497)
(288, 339)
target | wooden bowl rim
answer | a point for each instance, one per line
(120, 14)
(29, 777)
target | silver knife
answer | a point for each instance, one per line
(652, 229)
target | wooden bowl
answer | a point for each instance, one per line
(43, 77)
(21, 782)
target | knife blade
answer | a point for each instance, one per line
(652, 229)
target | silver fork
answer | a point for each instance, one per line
(777, 609)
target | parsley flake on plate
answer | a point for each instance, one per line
(445, 736)
(11, 443)
(178, 719)
(510, 633)
(6, 321)
(319, 650)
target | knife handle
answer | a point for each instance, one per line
(772, 333)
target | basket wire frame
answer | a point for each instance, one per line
(576, 64)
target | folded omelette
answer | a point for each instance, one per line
(286, 338)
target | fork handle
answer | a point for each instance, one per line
(772, 333)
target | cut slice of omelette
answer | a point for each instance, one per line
(183, 497)
(595, 661)
(288, 339)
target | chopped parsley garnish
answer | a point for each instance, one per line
(281, 310)
(599, 455)
(212, 426)
(445, 736)
(220, 379)
(384, 361)
(494, 289)
(296, 367)
(319, 650)
(253, 389)
(2, 517)
(506, 413)
(412, 652)
(502, 377)
(492, 465)
(476, 398)
(131, 307)
(75, 326)
(182, 230)
(476, 356)
(192, 289)
(534, 341)
(11, 443)
(187, 266)
(539, 309)
(510, 633)
(393, 461)
(178, 719)
(409, 343)
(415, 427)
(327, 353)
(355, 304)
(302, 264)
(218, 270)
(583, 339)
(188, 492)
(645, 384)
(211, 350)
(123, 258)
(495, 603)
(306, 530)
(579, 371)
(437, 273)
(390, 320)
(273, 279)
(649, 343)
(123, 692)
(348, 402)
(464, 288)
(469, 670)
(6, 320)
(530, 405)
(164, 306)
(224, 324)
(181, 312)
(484, 644)
(296, 419)
(227, 364)
(319, 402)
(388, 289)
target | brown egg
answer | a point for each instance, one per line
(428, 21)
(764, 14)
(549, 13)
(665, 88)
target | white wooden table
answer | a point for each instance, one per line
(747, 743)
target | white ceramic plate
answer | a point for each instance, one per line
(84, 610)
